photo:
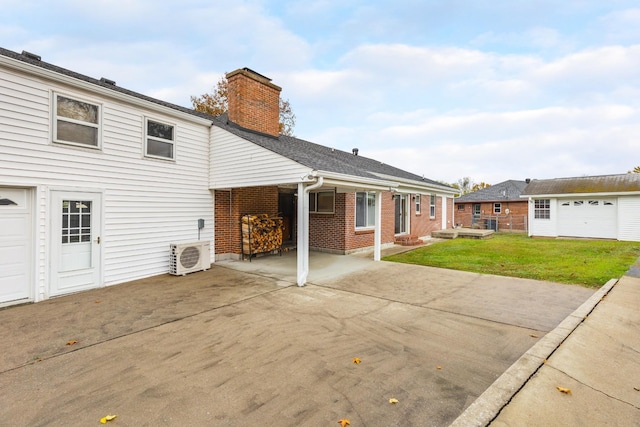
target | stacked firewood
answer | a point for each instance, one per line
(261, 233)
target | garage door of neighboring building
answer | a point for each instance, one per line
(595, 218)
(15, 245)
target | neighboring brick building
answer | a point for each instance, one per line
(497, 207)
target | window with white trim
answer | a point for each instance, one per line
(497, 208)
(365, 209)
(322, 202)
(432, 206)
(417, 203)
(542, 209)
(159, 140)
(76, 122)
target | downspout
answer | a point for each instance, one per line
(303, 229)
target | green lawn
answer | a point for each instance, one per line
(590, 263)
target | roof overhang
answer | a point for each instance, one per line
(404, 185)
(579, 195)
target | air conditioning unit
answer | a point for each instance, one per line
(189, 257)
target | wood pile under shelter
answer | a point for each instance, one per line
(261, 233)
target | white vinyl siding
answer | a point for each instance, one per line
(146, 204)
(629, 218)
(232, 157)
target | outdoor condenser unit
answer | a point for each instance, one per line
(189, 257)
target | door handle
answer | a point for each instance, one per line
(98, 240)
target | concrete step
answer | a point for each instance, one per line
(408, 240)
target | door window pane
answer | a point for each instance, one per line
(76, 221)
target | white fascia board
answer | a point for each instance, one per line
(412, 186)
(52, 75)
(356, 182)
(580, 195)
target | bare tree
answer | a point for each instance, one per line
(635, 170)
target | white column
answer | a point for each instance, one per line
(444, 212)
(377, 231)
(302, 245)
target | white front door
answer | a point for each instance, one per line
(75, 252)
(15, 245)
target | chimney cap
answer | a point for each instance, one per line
(256, 73)
(355, 151)
(528, 180)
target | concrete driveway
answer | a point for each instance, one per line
(229, 347)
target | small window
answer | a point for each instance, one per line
(159, 140)
(566, 204)
(76, 122)
(322, 202)
(578, 203)
(461, 206)
(432, 206)
(417, 203)
(365, 209)
(497, 208)
(542, 209)
(607, 203)
(594, 202)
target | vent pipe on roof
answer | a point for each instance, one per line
(31, 55)
(107, 81)
(355, 151)
(528, 180)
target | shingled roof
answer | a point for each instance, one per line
(624, 183)
(502, 192)
(309, 154)
(323, 158)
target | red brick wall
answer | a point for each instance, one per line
(254, 102)
(518, 210)
(327, 231)
(423, 224)
(229, 208)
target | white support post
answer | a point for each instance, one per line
(302, 245)
(377, 231)
(303, 229)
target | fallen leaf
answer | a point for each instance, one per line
(564, 390)
(344, 422)
(393, 400)
(438, 367)
(72, 342)
(356, 360)
(97, 301)
(533, 335)
(104, 420)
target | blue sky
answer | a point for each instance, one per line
(489, 89)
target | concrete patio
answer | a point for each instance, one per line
(241, 345)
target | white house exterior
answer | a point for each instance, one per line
(123, 205)
(97, 182)
(605, 207)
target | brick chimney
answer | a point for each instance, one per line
(254, 102)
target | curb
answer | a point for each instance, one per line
(489, 404)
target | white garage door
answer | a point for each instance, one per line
(595, 218)
(15, 245)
